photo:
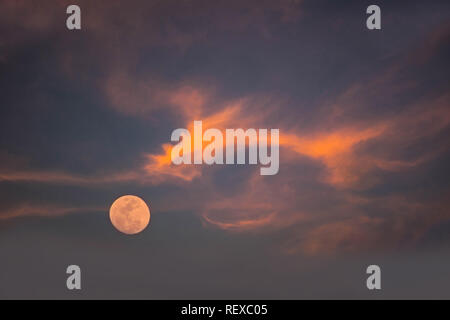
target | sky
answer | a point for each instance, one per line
(87, 115)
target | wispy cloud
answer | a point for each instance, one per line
(44, 211)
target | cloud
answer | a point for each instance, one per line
(143, 97)
(258, 206)
(65, 178)
(44, 211)
(160, 168)
(358, 152)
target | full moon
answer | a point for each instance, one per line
(129, 214)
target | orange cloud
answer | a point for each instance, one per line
(233, 114)
(242, 223)
(44, 211)
(160, 168)
(66, 178)
(335, 150)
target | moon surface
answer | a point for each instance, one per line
(129, 214)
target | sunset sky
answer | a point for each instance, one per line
(86, 116)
